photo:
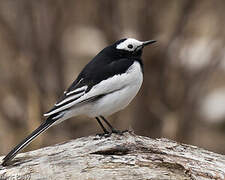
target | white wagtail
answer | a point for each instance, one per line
(106, 85)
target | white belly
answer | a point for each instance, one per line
(130, 84)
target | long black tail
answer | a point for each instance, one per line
(44, 126)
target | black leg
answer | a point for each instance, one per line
(111, 127)
(106, 122)
(100, 123)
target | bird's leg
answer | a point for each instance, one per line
(103, 128)
(112, 128)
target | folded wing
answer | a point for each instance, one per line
(93, 82)
(72, 94)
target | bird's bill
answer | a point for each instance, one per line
(145, 43)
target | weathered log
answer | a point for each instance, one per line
(117, 157)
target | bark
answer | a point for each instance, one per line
(117, 157)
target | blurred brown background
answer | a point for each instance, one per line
(44, 44)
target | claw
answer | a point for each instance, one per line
(118, 131)
(105, 134)
(108, 134)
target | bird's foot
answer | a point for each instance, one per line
(116, 131)
(105, 134)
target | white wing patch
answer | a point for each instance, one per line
(77, 93)
(77, 90)
(129, 41)
(59, 115)
(70, 98)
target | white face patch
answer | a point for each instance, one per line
(129, 44)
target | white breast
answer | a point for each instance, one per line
(125, 86)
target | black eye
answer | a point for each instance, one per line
(130, 46)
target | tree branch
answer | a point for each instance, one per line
(117, 157)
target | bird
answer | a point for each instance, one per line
(107, 84)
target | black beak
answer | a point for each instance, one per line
(145, 43)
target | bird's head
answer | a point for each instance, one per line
(130, 47)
